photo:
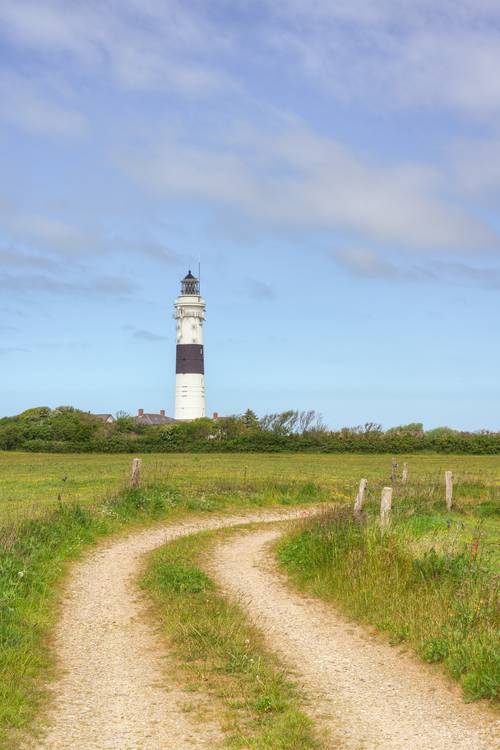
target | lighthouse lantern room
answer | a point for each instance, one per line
(190, 372)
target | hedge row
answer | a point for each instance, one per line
(68, 430)
(464, 443)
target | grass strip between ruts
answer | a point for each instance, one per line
(221, 655)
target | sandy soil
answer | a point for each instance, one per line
(369, 694)
(114, 692)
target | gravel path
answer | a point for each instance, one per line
(369, 694)
(112, 694)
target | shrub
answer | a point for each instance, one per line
(67, 429)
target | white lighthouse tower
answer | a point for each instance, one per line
(190, 372)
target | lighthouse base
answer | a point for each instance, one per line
(189, 396)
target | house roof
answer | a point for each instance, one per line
(155, 419)
(104, 416)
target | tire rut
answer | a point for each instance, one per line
(113, 692)
(367, 693)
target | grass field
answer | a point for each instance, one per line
(41, 528)
(29, 483)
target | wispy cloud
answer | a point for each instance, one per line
(157, 251)
(11, 259)
(118, 286)
(368, 264)
(49, 240)
(468, 275)
(93, 286)
(475, 165)
(406, 55)
(63, 345)
(260, 290)
(145, 46)
(39, 238)
(282, 172)
(4, 350)
(145, 335)
(294, 177)
(28, 104)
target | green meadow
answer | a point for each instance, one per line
(446, 564)
(31, 482)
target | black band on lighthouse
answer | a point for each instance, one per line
(189, 359)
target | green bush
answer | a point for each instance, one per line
(67, 429)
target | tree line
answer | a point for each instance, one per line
(67, 429)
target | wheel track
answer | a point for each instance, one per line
(112, 692)
(367, 693)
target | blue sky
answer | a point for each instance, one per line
(335, 166)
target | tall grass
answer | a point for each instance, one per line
(222, 654)
(422, 581)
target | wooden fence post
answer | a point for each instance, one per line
(404, 476)
(394, 472)
(448, 478)
(135, 474)
(360, 497)
(385, 507)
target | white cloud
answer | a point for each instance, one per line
(295, 178)
(53, 234)
(50, 242)
(8, 329)
(382, 52)
(49, 236)
(149, 45)
(29, 105)
(4, 350)
(468, 275)
(418, 54)
(145, 335)
(89, 286)
(14, 259)
(368, 264)
(476, 165)
(259, 290)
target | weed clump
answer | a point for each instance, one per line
(182, 579)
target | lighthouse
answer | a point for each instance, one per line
(189, 369)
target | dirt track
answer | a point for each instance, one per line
(112, 693)
(367, 693)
